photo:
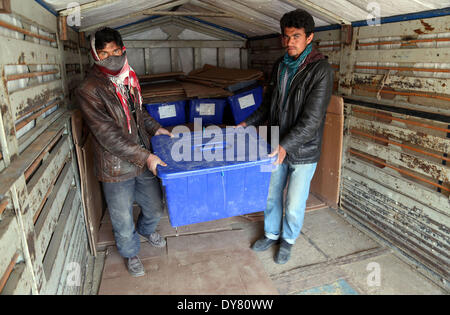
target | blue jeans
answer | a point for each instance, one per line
(146, 191)
(290, 226)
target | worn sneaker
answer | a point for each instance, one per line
(135, 267)
(156, 239)
(284, 253)
(263, 244)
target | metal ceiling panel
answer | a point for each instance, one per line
(251, 17)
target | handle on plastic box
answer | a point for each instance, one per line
(212, 146)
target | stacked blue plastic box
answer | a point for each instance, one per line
(168, 114)
(243, 104)
(211, 111)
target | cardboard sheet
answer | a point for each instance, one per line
(326, 180)
(90, 187)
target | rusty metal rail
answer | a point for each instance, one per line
(379, 161)
(406, 42)
(8, 272)
(370, 89)
(3, 206)
(29, 75)
(408, 122)
(402, 69)
(26, 32)
(440, 157)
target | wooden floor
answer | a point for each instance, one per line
(214, 258)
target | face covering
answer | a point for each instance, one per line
(122, 76)
(113, 63)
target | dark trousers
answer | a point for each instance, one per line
(145, 190)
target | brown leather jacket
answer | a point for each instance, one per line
(118, 156)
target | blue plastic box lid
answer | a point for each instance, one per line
(211, 150)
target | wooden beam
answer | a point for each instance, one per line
(221, 57)
(170, 5)
(62, 28)
(111, 22)
(184, 44)
(181, 22)
(243, 17)
(147, 61)
(197, 58)
(129, 16)
(187, 13)
(5, 6)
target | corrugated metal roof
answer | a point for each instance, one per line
(249, 17)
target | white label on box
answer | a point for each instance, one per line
(246, 101)
(167, 111)
(207, 109)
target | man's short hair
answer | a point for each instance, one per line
(107, 35)
(299, 19)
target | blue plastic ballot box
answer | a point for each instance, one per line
(245, 103)
(168, 114)
(209, 110)
(213, 174)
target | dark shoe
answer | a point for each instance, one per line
(135, 267)
(156, 239)
(263, 244)
(284, 253)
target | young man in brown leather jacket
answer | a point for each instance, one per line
(111, 102)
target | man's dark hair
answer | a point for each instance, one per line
(299, 19)
(107, 35)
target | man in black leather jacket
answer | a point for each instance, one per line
(296, 100)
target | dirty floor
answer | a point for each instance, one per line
(330, 257)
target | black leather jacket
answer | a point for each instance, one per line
(302, 120)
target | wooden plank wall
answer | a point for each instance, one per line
(395, 180)
(42, 229)
(75, 61)
(404, 64)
